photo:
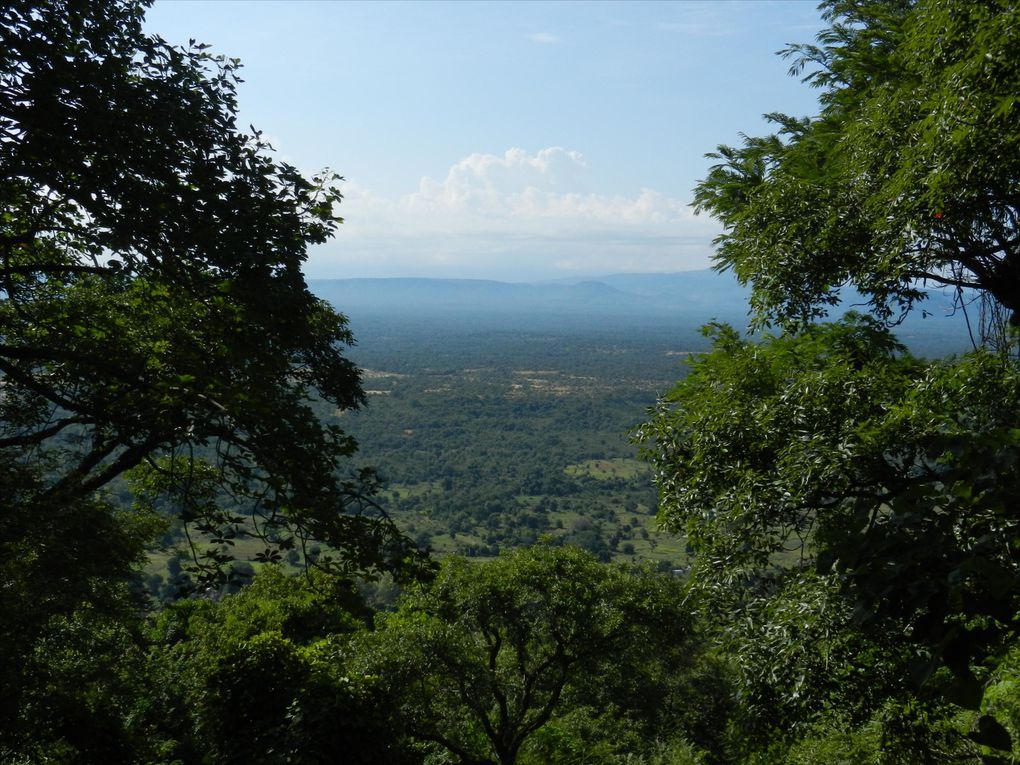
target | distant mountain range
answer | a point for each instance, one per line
(621, 302)
(703, 293)
(689, 294)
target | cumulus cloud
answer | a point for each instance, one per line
(514, 216)
(513, 185)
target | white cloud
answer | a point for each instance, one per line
(544, 38)
(513, 216)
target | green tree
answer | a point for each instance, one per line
(838, 494)
(906, 176)
(62, 569)
(833, 452)
(81, 691)
(153, 300)
(153, 315)
(262, 677)
(490, 654)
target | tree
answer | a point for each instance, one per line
(153, 300)
(153, 314)
(907, 176)
(831, 485)
(261, 676)
(834, 489)
(489, 654)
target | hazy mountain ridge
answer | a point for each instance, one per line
(619, 294)
(684, 299)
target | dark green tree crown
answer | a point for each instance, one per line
(153, 305)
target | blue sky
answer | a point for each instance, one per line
(515, 141)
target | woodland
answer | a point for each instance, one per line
(799, 547)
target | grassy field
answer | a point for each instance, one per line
(608, 469)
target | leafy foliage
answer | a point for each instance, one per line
(489, 654)
(833, 452)
(907, 173)
(261, 676)
(152, 296)
(851, 507)
(153, 301)
(63, 573)
(153, 318)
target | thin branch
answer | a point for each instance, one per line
(41, 435)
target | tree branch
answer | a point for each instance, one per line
(41, 435)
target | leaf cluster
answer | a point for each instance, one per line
(906, 176)
(851, 513)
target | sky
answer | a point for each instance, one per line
(517, 141)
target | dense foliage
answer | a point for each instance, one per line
(153, 300)
(541, 656)
(830, 477)
(484, 658)
(907, 174)
(153, 315)
(851, 509)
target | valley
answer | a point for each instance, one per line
(500, 414)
